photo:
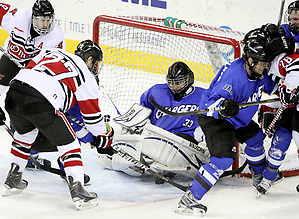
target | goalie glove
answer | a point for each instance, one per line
(2, 117)
(103, 141)
(231, 108)
(288, 98)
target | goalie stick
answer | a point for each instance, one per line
(174, 114)
(136, 162)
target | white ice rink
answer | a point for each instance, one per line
(121, 196)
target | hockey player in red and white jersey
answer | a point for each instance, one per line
(284, 72)
(30, 31)
(36, 101)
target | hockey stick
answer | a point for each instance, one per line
(276, 117)
(280, 14)
(174, 114)
(109, 98)
(40, 166)
(136, 162)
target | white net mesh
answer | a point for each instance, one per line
(136, 58)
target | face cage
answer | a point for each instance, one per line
(287, 15)
(256, 75)
(177, 85)
(40, 30)
(95, 69)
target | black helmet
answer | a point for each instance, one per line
(255, 34)
(293, 6)
(89, 48)
(42, 8)
(181, 75)
(256, 49)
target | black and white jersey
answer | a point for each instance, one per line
(64, 79)
(20, 44)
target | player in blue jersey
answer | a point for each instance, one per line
(241, 81)
(177, 95)
(292, 17)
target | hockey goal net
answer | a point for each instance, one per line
(138, 51)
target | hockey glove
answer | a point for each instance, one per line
(2, 117)
(108, 151)
(293, 28)
(103, 141)
(231, 108)
(271, 31)
(280, 45)
(288, 98)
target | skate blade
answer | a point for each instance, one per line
(258, 194)
(11, 191)
(82, 205)
(188, 211)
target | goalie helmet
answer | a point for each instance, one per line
(89, 48)
(179, 78)
(43, 17)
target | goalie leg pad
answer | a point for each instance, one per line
(170, 154)
(131, 145)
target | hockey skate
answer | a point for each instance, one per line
(190, 205)
(256, 177)
(263, 187)
(14, 184)
(82, 198)
(86, 177)
(31, 165)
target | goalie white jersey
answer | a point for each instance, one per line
(20, 43)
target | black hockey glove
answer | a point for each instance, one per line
(231, 108)
(280, 45)
(293, 28)
(108, 151)
(288, 98)
(271, 31)
(2, 117)
(103, 141)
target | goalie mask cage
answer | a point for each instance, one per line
(138, 51)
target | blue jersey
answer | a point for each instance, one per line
(163, 96)
(288, 33)
(82, 134)
(232, 82)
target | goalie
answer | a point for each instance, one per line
(167, 144)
